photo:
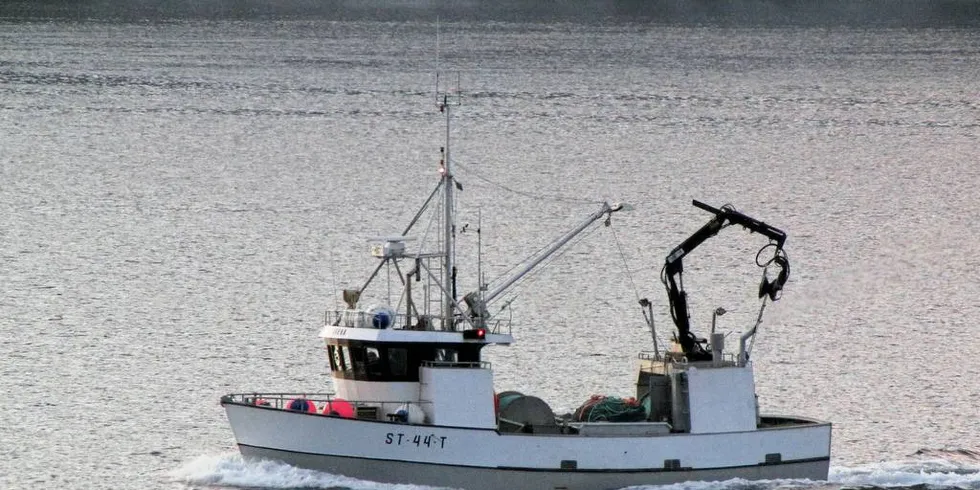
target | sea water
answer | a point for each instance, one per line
(182, 199)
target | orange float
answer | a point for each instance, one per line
(340, 408)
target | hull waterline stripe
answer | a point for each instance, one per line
(552, 470)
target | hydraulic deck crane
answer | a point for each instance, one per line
(672, 274)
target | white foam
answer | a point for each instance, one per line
(736, 484)
(232, 470)
(935, 472)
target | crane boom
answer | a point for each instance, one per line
(477, 302)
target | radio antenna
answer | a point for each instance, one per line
(437, 60)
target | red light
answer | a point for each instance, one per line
(475, 334)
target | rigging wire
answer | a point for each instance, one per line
(433, 216)
(332, 277)
(758, 321)
(467, 169)
(626, 266)
(539, 197)
(629, 275)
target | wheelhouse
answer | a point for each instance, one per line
(394, 361)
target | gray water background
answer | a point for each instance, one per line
(182, 200)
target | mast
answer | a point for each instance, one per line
(448, 227)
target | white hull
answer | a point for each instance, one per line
(477, 459)
(477, 478)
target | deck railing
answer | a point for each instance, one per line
(401, 321)
(364, 409)
(678, 361)
(454, 364)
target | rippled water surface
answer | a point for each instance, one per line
(182, 200)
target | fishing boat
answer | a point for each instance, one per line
(414, 401)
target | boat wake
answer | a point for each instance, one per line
(931, 469)
(926, 470)
(230, 470)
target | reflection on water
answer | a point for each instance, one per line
(183, 199)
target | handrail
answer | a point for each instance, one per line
(341, 317)
(279, 401)
(678, 361)
(359, 319)
(454, 364)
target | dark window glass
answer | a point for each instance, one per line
(342, 358)
(446, 355)
(333, 358)
(358, 360)
(398, 361)
(469, 354)
(374, 368)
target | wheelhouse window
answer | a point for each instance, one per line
(446, 355)
(398, 361)
(358, 359)
(379, 361)
(333, 358)
(342, 358)
(374, 367)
